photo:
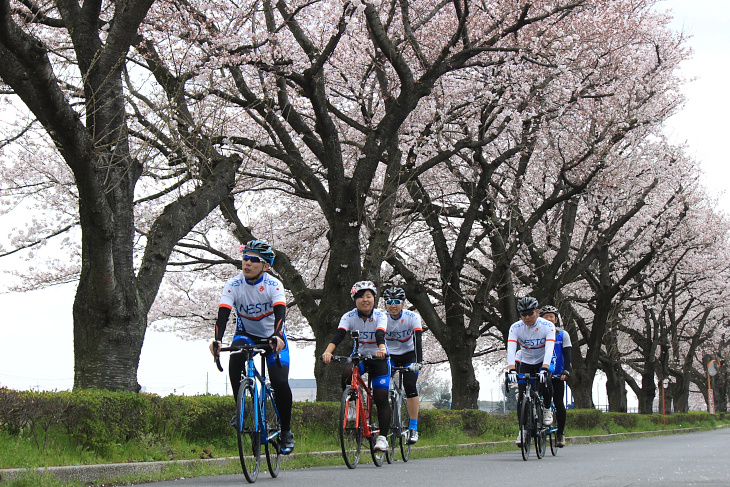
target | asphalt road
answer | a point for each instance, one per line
(691, 459)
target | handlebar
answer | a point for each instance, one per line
(409, 368)
(355, 358)
(237, 349)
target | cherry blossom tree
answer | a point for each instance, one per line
(63, 65)
(508, 217)
(326, 100)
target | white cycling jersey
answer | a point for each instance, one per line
(253, 303)
(399, 336)
(352, 321)
(536, 342)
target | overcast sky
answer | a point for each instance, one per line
(170, 365)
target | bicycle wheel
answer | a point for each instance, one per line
(273, 436)
(540, 429)
(553, 440)
(405, 421)
(553, 433)
(350, 430)
(526, 426)
(249, 438)
(378, 456)
(394, 422)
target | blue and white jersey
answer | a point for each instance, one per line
(253, 303)
(562, 340)
(399, 336)
(536, 342)
(352, 321)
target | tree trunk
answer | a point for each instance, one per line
(581, 383)
(647, 391)
(464, 384)
(343, 270)
(719, 385)
(680, 393)
(107, 343)
(616, 388)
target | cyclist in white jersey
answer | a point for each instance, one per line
(536, 337)
(260, 305)
(404, 346)
(371, 323)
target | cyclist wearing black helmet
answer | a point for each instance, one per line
(260, 305)
(404, 344)
(536, 337)
(560, 368)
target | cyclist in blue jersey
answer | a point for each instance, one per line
(560, 368)
(371, 323)
(260, 306)
(404, 345)
(536, 338)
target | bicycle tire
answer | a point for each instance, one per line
(394, 422)
(553, 432)
(553, 439)
(249, 438)
(378, 456)
(350, 431)
(405, 421)
(540, 445)
(525, 423)
(273, 436)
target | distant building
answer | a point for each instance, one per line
(303, 389)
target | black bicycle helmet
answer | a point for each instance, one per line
(262, 248)
(394, 293)
(527, 303)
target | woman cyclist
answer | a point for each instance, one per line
(404, 345)
(560, 368)
(371, 324)
(260, 305)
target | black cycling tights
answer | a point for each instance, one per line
(558, 400)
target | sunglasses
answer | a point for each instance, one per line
(527, 313)
(393, 302)
(252, 258)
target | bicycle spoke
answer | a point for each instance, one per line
(249, 439)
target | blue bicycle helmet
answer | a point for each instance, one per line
(262, 248)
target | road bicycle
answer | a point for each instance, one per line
(400, 419)
(257, 420)
(530, 417)
(356, 421)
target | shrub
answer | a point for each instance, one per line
(99, 418)
(624, 420)
(586, 418)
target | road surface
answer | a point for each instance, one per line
(689, 459)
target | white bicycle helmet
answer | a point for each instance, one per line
(362, 286)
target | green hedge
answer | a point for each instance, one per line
(97, 419)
